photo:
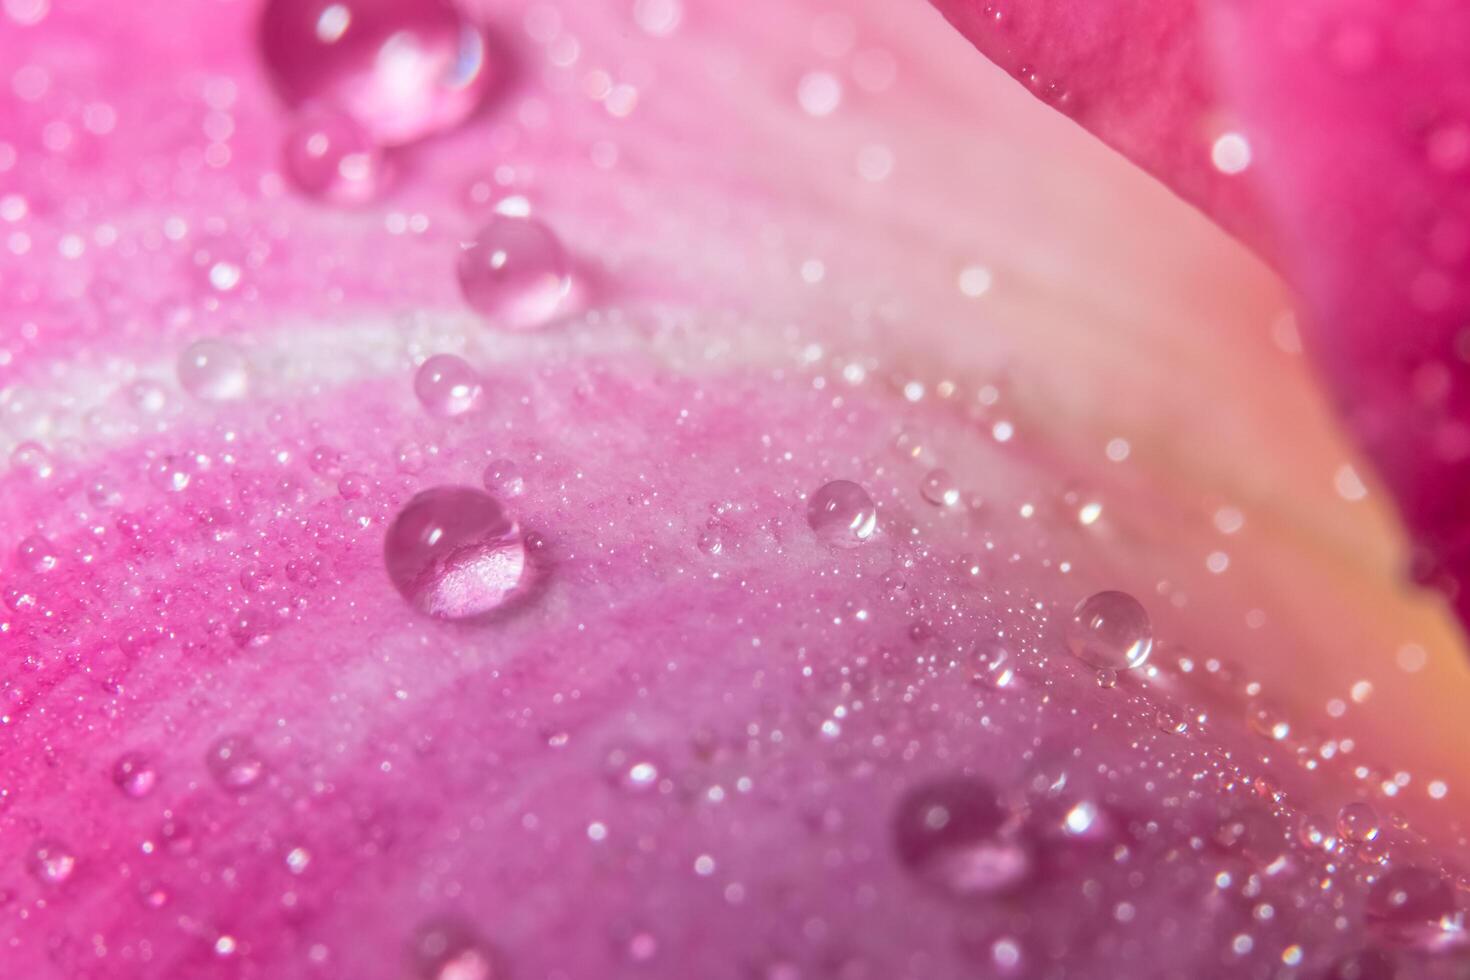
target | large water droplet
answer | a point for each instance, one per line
(213, 371)
(1357, 822)
(842, 514)
(516, 273)
(951, 834)
(454, 553)
(1112, 630)
(329, 156)
(446, 385)
(134, 775)
(235, 762)
(450, 951)
(1412, 906)
(52, 862)
(402, 68)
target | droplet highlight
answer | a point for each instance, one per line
(447, 386)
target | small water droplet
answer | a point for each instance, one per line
(52, 862)
(842, 514)
(1112, 630)
(454, 553)
(516, 273)
(1107, 678)
(503, 477)
(446, 386)
(1267, 719)
(951, 835)
(134, 775)
(328, 156)
(33, 460)
(994, 666)
(1357, 822)
(451, 951)
(235, 762)
(1170, 719)
(939, 488)
(213, 371)
(403, 70)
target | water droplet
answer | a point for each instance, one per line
(1169, 719)
(711, 541)
(1357, 822)
(454, 553)
(503, 477)
(1112, 630)
(994, 666)
(1267, 719)
(33, 460)
(939, 488)
(134, 775)
(446, 386)
(1252, 831)
(1413, 906)
(213, 371)
(170, 474)
(450, 951)
(842, 514)
(1107, 678)
(328, 156)
(951, 834)
(235, 762)
(52, 862)
(401, 68)
(516, 273)
(37, 554)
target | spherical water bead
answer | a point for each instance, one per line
(446, 386)
(214, 371)
(842, 514)
(1357, 822)
(235, 763)
(633, 770)
(37, 554)
(1111, 630)
(328, 156)
(134, 776)
(451, 951)
(994, 666)
(503, 477)
(52, 862)
(950, 835)
(516, 273)
(1414, 907)
(939, 488)
(454, 553)
(401, 68)
(33, 461)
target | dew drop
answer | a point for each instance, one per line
(450, 951)
(1414, 907)
(951, 835)
(1107, 678)
(516, 273)
(134, 775)
(33, 460)
(401, 68)
(1268, 720)
(454, 553)
(503, 478)
(235, 763)
(328, 156)
(1110, 630)
(52, 862)
(842, 514)
(939, 488)
(1357, 822)
(213, 371)
(446, 386)
(37, 554)
(995, 668)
